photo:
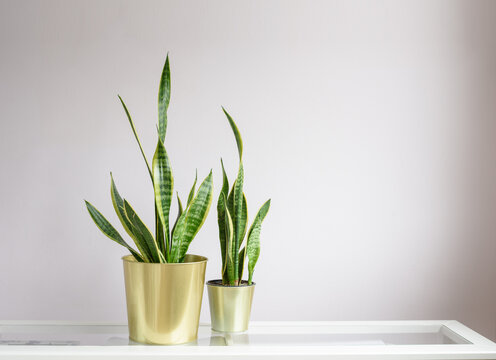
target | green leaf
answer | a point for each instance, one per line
(242, 255)
(109, 230)
(239, 218)
(192, 191)
(240, 227)
(221, 219)
(225, 236)
(228, 272)
(225, 181)
(179, 212)
(136, 135)
(230, 199)
(119, 207)
(160, 235)
(179, 205)
(177, 235)
(237, 135)
(237, 207)
(163, 184)
(191, 220)
(243, 225)
(118, 203)
(143, 234)
(164, 92)
(253, 242)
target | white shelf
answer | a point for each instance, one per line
(432, 340)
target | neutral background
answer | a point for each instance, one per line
(371, 125)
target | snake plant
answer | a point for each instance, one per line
(232, 216)
(168, 245)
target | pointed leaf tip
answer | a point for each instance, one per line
(192, 191)
(237, 135)
(164, 92)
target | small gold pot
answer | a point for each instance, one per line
(230, 306)
(164, 300)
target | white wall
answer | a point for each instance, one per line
(370, 124)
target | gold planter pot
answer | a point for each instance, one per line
(230, 306)
(164, 300)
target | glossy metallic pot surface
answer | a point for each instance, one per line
(164, 300)
(230, 306)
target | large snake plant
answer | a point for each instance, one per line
(232, 216)
(168, 245)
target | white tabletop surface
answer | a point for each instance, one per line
(264, 340)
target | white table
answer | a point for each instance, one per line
(264, 340)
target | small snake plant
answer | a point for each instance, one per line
(168, 245)
(232, 216)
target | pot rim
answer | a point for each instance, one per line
(201, 259)
(218, 283)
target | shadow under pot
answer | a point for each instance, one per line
(230, 306)
(164, 300)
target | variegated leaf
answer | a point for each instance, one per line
(194, 217)
(179, 212)
(164, 92)
(118, 204)
(192, 191)
(242, 255)
(109, 230)
(253, 241)
(238, 220)
(237, 135)
(163, 184)
(221, 217)
(229, 269)
(143, 234)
